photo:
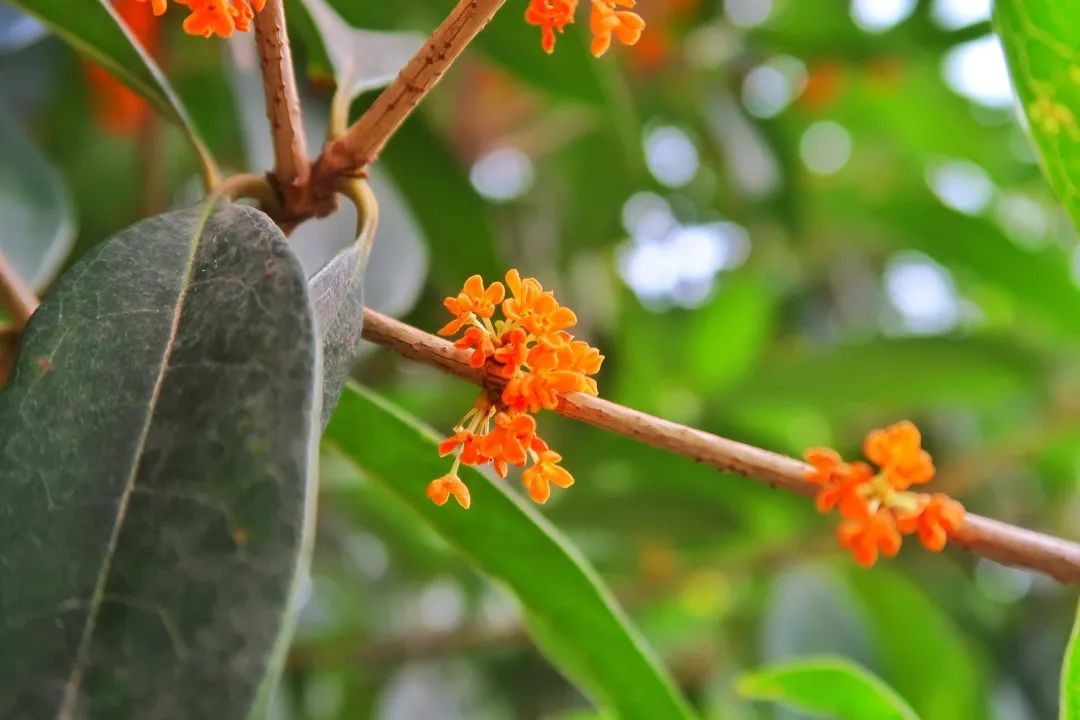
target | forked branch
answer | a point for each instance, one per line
(361, 144)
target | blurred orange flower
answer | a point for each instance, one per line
(606, 20)
(118, 109)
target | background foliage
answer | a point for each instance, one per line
(784, 221)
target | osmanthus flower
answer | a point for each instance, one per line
(877, 507)
(529, 348)
(607, 19)
(214, 17)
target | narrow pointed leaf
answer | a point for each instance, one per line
(1070, 675)
(156, 473)
(1039, 38)
(827, 687)
(573, 615)
(38, 225)
(98, 33)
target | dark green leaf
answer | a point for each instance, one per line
(829, 687)
(571, 612)
(158, 474)
(38, 225)
(97, 32)
(1039, 37)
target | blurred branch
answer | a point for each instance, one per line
(361, 144)
(15, 297)
(994, 539)
(292, 170)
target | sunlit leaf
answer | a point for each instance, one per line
(157, 474)
(588, 636)
(827, 687)
(1039, 37)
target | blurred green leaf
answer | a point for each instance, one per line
(38, 227)
(1037, 279)
(570, 610)
(1039, 37)
(920, 649)
(97, 32)
(729, 334)
(829, 687)
(973, 371)
(1070, 675)
(158, 474)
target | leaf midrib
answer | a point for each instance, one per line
(67, 705)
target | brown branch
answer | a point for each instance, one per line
(991, 538)
(361, 144)
(292, 171)
(15, 296)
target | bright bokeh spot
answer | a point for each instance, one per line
(502, 175)
(671, 156)
(647, 216)
(1025, 220)
(962, 186)
(825, 147)
(770, 87)
(977, 70)
(666, 262)
(923, 292)
(748, 13)
(880, 15)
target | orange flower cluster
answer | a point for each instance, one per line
(531, 349)
(878, 508)
(214, 17)
(606, 20)
(118, 109)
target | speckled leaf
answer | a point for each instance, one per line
(1039, 37)
(156, 472)
(38, 226)
(571, 613)
(337, 291)
(96, 31)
